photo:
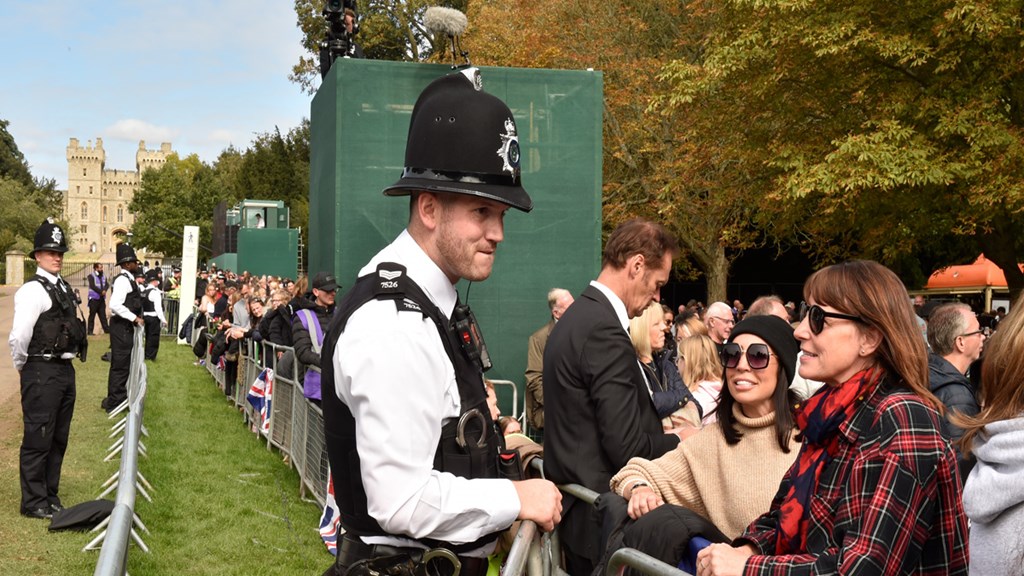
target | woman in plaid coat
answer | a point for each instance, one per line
(875, 489)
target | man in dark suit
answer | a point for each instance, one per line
(598, 408)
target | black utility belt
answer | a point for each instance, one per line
(48, 358)
(357, 558)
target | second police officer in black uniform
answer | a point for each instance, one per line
(125, 314)
(408, 431)
(46, 335)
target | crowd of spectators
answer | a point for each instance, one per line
(697, 362)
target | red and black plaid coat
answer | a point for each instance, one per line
(888, 503)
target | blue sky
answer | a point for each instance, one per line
(199, 74)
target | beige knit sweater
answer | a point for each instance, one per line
(728, 485)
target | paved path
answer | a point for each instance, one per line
(9, 383)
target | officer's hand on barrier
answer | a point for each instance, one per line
(540, 501)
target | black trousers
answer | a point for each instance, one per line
(47, 405)
(98, 308)
(152, 337)
(122, 334)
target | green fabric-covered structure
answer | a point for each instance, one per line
(359, 123)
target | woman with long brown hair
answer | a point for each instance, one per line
(995, 437)
(875, 487)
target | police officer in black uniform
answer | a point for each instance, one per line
(125, 314)
(408, 431)
(45, 336)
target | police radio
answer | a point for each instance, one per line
(470, 338)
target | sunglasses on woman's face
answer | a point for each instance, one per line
(758, 356)
(816, 318)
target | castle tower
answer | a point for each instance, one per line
(98, 198)
(85, 192)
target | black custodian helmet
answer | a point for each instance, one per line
(125, 253)
(462, 140)
(51, 237)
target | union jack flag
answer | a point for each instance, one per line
(330, 520)
(261, 396)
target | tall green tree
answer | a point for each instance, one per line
(889, 131)
(24, 199)
(657, 164)
(182, 192)
(388, 30)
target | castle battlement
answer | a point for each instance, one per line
(96, 203)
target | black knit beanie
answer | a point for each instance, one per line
(779, 336)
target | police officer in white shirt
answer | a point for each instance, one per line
(153, 312)
(125, 314)
(407, 427)
(46, 335)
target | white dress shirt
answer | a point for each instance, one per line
(30, 301)
(617, 305)
(392, 371)
(118, 291)
(157, 298)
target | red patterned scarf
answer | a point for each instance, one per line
(819, 420)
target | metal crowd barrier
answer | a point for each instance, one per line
(171, 314)
(539, 556)
(120, 526)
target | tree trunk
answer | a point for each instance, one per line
(716, 271)
(1001, 249)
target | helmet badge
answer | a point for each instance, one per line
(56, 234)
(509, 151)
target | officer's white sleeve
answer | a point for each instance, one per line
(158, 304)
(30, 301)
(119, 290)
(399, 384)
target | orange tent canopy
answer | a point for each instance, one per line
(980, 274)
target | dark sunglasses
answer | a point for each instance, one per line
(758, 356)
(816, 318)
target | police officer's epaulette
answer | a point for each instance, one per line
(393, 284)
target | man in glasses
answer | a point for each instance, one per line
(598, 408)
(957, 340)
(719, 320)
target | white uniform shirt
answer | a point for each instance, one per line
(392, 371)
(30, 301)
(157, 298)
(119, 290)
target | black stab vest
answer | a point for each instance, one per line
(53, 332)
(147, 304)
(390, 282)
(133, 299)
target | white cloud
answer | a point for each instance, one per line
(132, 130)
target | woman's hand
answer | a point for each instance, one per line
(642, 500)
(723, 560)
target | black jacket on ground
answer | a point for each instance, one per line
(956, 393)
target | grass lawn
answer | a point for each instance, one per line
(223, 504)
